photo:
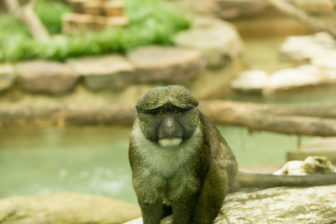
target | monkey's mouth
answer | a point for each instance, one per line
(170, 142)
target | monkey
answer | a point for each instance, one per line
(182, 166)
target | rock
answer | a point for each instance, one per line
(218, 41)
(104, 72)
(311, 165)
(41, 76)
(156, 64)
(315, 6)
(7, 76)
(297, 78)
(279, 205)
(308, 47)
(65, 208)
(252, 81)
(326, 61)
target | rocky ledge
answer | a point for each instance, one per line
(65, 208)
(278, 206)
(209, 43)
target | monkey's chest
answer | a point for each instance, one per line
(181, 183)
(169, 177)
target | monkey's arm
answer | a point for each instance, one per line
(252, 180)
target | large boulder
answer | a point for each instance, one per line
(41, 76)
(157, 64)
(218, 41)
(279, 205)
(7, 76)
(65, 208)
(104, 72)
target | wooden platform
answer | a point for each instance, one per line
(318, 147)
(94, 15)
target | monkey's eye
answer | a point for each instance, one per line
(160, 112)
(176, 111)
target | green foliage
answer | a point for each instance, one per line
(151, 22)
(50, 13)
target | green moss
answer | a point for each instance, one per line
(151, 22)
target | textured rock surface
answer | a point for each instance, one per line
(7, 76)
(104, 72)
(218, 41)
(65, 208)
(46, 77)
(278, 206)
(156, 64)
(281, 205)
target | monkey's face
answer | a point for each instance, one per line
(168, 115)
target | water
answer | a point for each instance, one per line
(87, 160)
(94, 160)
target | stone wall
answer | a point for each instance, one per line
(210, 43)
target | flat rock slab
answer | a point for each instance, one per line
(104, 72)
(277, 206)
(300, 48)
(218, 41)
(65, 208)
(298, 78)
(252, 81)
(41, 76)
(7, 76)
(156, 64)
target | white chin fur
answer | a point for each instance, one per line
(170, 142)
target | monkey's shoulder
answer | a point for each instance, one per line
(221, 156)
(213, 139)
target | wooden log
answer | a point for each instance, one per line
(114, 9)
(11, 114)
(261, 118)
(252, 116)
(327, 110)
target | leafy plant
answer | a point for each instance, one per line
(151, 22)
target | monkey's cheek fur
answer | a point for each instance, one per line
(170, 142)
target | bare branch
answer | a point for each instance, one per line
(302, 16)
(29, 18)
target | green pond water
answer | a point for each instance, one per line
(94, 160)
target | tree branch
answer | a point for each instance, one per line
(302, 16)
(28, 16)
